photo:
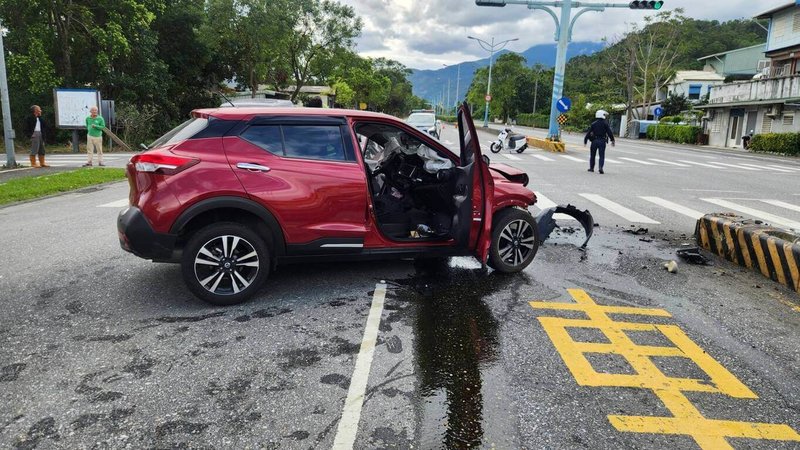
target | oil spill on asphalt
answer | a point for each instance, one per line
(456, 346)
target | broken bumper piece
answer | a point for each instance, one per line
(547, 223)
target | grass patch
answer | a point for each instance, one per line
(34, 187)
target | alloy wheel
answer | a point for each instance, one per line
(226, 265)
(516, 242)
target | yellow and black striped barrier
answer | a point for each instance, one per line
(775, 252)
(546, 144)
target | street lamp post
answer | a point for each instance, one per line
(8, 131)
(448, 92)
(491, 48)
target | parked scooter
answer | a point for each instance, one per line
(510, 140)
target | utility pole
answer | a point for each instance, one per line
(8, 130)
(458, 83)
(563, 36)
(536, 90)
(491, 49)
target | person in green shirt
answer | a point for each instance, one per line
(94, 136)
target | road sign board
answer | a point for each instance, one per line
(562, 119)
(488, 98)
(659, 111)
(563, 104)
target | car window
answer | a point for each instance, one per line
(314, 142)
(267, 137)
(181, 132)
(421, 119)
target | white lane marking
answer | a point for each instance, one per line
(781, 204)
(669, 162)
(766, 168)
(778, 220)
(700, 164)
(714, 190)
(637, 161)
(674, 207)
(784, 167)
(616, 208)
(115, 204)
(543, 202)
(351, 415)
(511, 157)
(735, 166)
(613, 161)
(572, 158)
(542, 157)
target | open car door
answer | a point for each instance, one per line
(474, 191)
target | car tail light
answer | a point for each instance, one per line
(162, 164)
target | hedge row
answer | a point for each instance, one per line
(448, 119)
(682, 134)
(531, 120)
(785, 143)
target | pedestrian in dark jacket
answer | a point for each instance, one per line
(599, 133)
(35, 127)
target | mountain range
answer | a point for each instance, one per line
(432, 84)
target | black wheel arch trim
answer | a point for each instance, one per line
(241, 203)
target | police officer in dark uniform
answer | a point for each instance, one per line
(599, 133)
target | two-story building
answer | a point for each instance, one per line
(769, 102)
(739, 64)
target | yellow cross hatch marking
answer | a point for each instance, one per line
(686, 420)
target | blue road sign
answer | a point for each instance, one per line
(659, 111)
(564, 104)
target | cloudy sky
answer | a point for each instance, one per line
(424, 34)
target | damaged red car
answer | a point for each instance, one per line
(236, 192)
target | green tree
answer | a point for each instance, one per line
(248, 36)
(320, 32)
(673, 105)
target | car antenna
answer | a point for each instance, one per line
(223, 96)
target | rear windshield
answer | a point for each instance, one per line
(181, 132)
(421, 119)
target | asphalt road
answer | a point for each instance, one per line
(657, 186)
(99, 349)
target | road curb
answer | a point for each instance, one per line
(551, 146)
(775, 252)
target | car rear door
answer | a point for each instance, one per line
(303, 170)
(478, 206)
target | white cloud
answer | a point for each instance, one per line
(426, 34)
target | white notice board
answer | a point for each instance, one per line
(72, 106)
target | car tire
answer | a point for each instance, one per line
(225, 263)
(495, 147)
(515, 240)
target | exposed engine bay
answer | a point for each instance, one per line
(412, 185)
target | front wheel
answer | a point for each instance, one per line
(495, 147)
(225, 263)
(515, 241)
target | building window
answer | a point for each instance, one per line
(766, 125)
(788, 119)
(694, 91)
(796, 23)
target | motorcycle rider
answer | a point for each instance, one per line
(599, 133)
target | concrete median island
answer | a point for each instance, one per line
(775, 252)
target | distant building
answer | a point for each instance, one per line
(692, 84)
(769, 102)
(741, 63)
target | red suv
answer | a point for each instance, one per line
(234, 192)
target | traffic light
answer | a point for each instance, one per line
(645, 4)
(500, 3)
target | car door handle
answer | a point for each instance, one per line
(253, 167)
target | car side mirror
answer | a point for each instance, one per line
(438, 122)
(486, 159)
